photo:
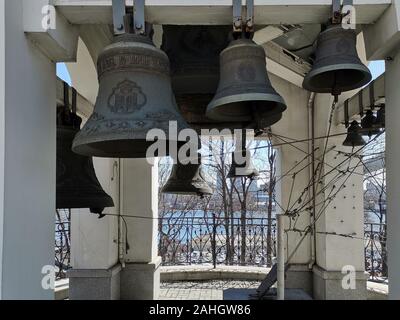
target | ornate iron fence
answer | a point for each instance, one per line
(375, 250)
(62, 242)
(212, 240)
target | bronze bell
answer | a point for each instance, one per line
(354, 137)
(380, 117)
(337, 67)
(245, 93)
(242, 169)
(369, 124)
(135, 96)
(77, 184)
(187, 179)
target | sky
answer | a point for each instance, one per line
(376, 67)
(63, 73)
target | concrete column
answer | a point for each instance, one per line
(94, 250)
(292, 182)
(27, 160)
(393, 173)
(340, 228)
(140, 278)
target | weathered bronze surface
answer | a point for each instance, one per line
(194, 52)
(354, 137)
(242, 169)
(337, 67)
(245, 93)
(77, 184)
(135, 96)
(187, 179)
(370, 124)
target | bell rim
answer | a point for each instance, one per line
(348, 144)
(206, 190)
(215, 103)
(366, 72)
(87, 148)
(104, 201)
(253, 175)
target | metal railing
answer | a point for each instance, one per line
(212, 240)
(375, 251)
(62, 242)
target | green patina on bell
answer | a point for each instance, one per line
(135, 96)
(337, 67)
(245, 93)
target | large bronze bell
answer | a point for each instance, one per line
(187, 179)
(337, 67)
(245, 93)
(135, 96)
(241, 169)
(370, 124)
(77, 184)
(354, 137)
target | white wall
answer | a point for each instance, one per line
(2, 128)
(27, 177)
(95, 241)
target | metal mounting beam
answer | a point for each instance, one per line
(208, 12)
(119, 11)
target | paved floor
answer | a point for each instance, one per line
(210, 290)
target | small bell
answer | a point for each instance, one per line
(187, 179)
(245, 93)
(380, 117)
(243, 167)
(77, 184)
(134, 97)
(369, 124)
(337, 67)
(354, 138)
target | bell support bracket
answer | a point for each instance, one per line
(239, 23)
(119, 11)
(337, 10)
(128, 23)
(138, 17)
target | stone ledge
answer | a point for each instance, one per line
(204, 273)
(337, 275)
(143, 266)
(94, 273)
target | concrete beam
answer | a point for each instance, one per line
(219, 12)
(84, 107)
(354, 102)
(59, 42)
(285, 65)
(383, 38)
